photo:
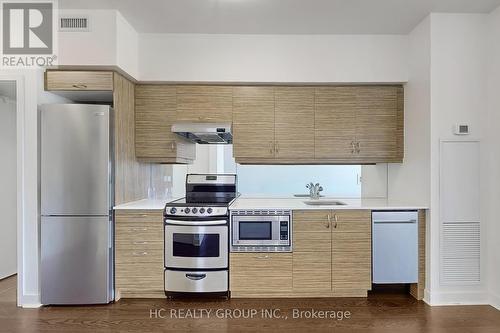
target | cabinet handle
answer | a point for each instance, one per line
(140, 243)
(358, 147)
(80, 86)
(172, 145)
(336, 220)
(139, 229)
(262, 257)
(139, 253)
(271, 147)
(329, 218)
(277, 148)
(352, 147)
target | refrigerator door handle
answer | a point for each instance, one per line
(110, 234)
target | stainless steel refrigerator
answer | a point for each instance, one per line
(76, 194)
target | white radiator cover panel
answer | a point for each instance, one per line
(461, 253)
(460, 224)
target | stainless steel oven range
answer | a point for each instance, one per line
(197, 237)
(261, 231)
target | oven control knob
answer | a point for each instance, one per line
(202, 210)
(173, 210)
(209, 211)
(187, 210)
(195, 210)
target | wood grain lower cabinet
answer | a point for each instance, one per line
(351, 250)
(312, 256)
(331, 258)
(155, 113)
(78, 80)
(139, 254)
(260, 274)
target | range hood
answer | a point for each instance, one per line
(205, 133)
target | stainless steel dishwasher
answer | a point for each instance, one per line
(395, 246)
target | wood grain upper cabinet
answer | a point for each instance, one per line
(335, 122)
(378, 123)
(253, 122)
(359, 124)
(294, 122)
(155, 112)
(78, 80)
(351, 250)
(312, 256)
(204, 103)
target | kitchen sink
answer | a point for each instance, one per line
(324, 203)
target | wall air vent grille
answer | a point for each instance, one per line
(461, 253)
(74, 24)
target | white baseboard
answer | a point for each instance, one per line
(457, 298)
(427, 297)
(495, 301)
(30, 301)
(31, 306)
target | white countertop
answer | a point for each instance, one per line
(293, 203)
(145, 204)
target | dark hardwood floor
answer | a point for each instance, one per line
(382, 311)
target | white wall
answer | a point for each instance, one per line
(492, 158)
(126, 46)
(446, 86)
(374, 181)
(8, 189)
(410, 181)
(95, 47)
(252, 58)
(206, 162)
(110, 41)
(458, 95)
(273, 58)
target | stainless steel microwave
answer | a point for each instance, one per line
(261, 231)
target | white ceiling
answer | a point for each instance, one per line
(280, 16)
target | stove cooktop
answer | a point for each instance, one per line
(207, 195)
(217, 202)
(187, 208)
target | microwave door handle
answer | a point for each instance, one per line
(177, 222)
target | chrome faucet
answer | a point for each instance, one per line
(314, 190)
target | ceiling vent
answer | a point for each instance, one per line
(74, 23)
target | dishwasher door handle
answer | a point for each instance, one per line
(395, 222)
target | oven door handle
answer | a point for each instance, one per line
(189, 223)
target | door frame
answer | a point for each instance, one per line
(20, 167)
